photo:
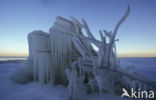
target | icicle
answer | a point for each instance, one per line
(39, 46)
(95, 65)
(92, 83)
(100, 82)
(139, 85)
(133, 84)
(68, 73)
(106, 83)
(61, 49)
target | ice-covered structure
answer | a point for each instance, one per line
(66, 56)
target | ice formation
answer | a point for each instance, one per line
(66, 56)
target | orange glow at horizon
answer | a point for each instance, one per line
(14, 54)
(137, 55)
(25, 54)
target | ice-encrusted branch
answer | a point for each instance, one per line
(75, 21)
(144, 80)
(77, 24)
(87, 30)
(121, 21)
(111, 42)
(103, 39)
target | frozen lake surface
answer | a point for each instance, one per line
(34, 91)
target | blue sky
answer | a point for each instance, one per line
(137, 34)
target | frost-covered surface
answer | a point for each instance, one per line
(34, 91)
(10, 90)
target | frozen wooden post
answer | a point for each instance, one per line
(39, 49)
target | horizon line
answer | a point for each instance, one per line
(128, 56)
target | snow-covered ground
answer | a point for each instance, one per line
(34, 91)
